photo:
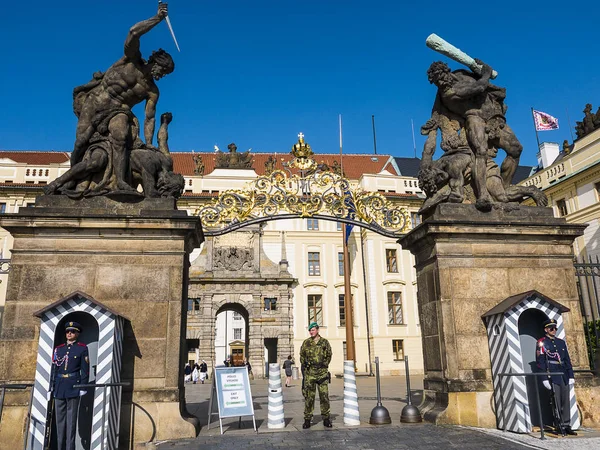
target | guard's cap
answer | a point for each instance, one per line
(313, 325)
(73, 326)
(550, 323)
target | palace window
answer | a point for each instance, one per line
(315, 308)
(344, 350)
(270, 304)
(314, 266)
(237, 333)
(415, 219)
(391, 260)
(398, 349)
(237, 316)
(2, 208)
(562, 207)
(312, 224)
(193, 304)
(341, 264)
(339, 226)
(395, 308)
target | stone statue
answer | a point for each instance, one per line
(151, 167)
(198, 165)
(589, 123)
(270, 165)
(479, 107)
(233, 159)
(337, 168)
(104, 136)
(444, 180)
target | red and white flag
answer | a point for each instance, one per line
(544, 122)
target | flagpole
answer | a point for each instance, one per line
(350, 353)
(570, 128)
(340, 127)
(348, 304)
(535, 128)
(374, 135)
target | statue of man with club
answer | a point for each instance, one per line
(480, 106)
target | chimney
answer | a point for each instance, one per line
(548, 153)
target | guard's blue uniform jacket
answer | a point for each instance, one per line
(552, 356)
(70, 366)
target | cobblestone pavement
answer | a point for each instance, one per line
(365, 436)
(414, 437)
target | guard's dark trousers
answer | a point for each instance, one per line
(66, 422)
(561, 397)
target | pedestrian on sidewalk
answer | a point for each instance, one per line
(188, 373)
(249, 367)
(195, 374)
(203, 371)
(315, 356)
(287, 366)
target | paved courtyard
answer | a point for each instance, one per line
(365, 436)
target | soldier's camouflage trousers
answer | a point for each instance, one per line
(315, 379)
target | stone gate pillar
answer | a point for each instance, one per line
(467, 262)
(131, 257)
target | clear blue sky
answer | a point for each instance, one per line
(258, 72)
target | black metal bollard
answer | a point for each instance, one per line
(379, 415)
(410, 413)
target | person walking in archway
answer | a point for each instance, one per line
(287, 366)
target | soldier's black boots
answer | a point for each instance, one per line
(568, 430)
(306, 424)
(327, 423)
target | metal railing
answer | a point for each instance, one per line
(103, 386)
(18, 387)
(537, 396)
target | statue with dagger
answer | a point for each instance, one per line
(100, 161)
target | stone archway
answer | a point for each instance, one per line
(247, 281)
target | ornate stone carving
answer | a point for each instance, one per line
(469, 112)
(233, 258)
(108, 155)
(589, 123)
(233, 159)
(198, 165)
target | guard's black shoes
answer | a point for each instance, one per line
(327, 423)
(569, 431)
(306, 424)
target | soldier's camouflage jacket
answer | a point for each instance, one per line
(315, 357)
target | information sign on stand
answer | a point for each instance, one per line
(231, 388)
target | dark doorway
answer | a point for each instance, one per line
(88, 336)
(531, 329)
(232, 325)
(270, 353)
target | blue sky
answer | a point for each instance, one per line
(258, 72)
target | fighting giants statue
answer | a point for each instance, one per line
(470, 113)
(108, 156)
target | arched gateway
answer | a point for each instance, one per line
(234, 270)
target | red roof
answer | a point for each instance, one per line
(354, 165)
(35, 157)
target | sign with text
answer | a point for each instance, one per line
(233, 392)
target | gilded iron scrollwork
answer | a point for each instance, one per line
(308, 192)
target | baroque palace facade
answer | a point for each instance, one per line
(253, 292)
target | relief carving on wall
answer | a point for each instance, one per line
(233, 258)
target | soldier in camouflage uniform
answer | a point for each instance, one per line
(315, 356)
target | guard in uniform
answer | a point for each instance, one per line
(552, 356)
(70, 366)
(315, 356)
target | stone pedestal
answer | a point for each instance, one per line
(467, 262)
(133, 258)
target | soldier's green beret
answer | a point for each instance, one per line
(313, 325)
